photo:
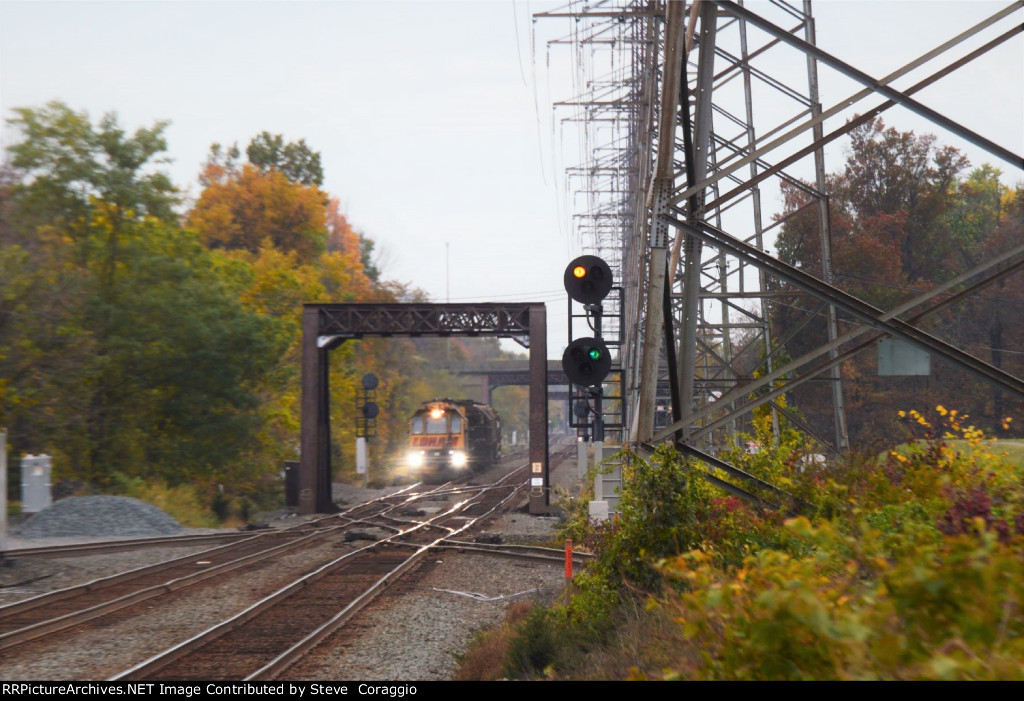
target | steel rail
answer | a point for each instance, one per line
(103, 608)
(49, 597)
(529, 552)
(287, 658)
(77, 549)
(74, 618)
(161, 660)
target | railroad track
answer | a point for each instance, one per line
(126, 544)
(404, 526)
(48, 614)
(264, 640)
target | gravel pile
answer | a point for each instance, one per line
(99, 516)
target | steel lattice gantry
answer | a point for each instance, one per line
(678, 146)
(326, 326)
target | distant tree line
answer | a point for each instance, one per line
(143, 339)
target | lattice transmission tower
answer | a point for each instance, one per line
(687, 114)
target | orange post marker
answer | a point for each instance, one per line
(568, 568)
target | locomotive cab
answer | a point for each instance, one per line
(450, 437)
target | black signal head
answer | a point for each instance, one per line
(588, 279)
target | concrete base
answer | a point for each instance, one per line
(598, 510)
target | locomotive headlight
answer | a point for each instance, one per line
(414, 458)
(458, 458)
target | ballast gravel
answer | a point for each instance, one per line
(417, 634)
(99, 516)
(413, 633)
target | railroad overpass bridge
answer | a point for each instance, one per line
(482, 378)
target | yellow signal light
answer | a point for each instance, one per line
(579, 271)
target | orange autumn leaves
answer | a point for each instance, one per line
(247, 207)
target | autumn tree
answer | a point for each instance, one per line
(123, 345)
(274, 197)
(71, 173)
(900, 185)
(295, 160)
(902, 219)
(250, 207)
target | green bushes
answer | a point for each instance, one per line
(947, 611)
(182, 502)
(915, 570)
(922, 577)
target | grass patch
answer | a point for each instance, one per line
(485, 659)
(181, 502)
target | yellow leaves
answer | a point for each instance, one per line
(251, 206)
(944, 667)
(1005, 423)
(799, 525)
(917, 416)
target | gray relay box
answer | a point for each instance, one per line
(35, 483)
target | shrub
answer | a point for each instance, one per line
(485, 659)
(181, 502)
(922, 578)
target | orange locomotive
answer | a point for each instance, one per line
(448, 437)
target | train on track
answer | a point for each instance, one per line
(451, 437)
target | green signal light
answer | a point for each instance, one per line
(586, 362)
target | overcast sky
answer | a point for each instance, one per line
(426, 114)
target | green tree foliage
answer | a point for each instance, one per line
(295, 160)
(122, 346)
(137, 351)
(179, 365)
(903, 219)
(65, 162)
(70, 172)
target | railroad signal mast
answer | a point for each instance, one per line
(587, 360)
(367, 411)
